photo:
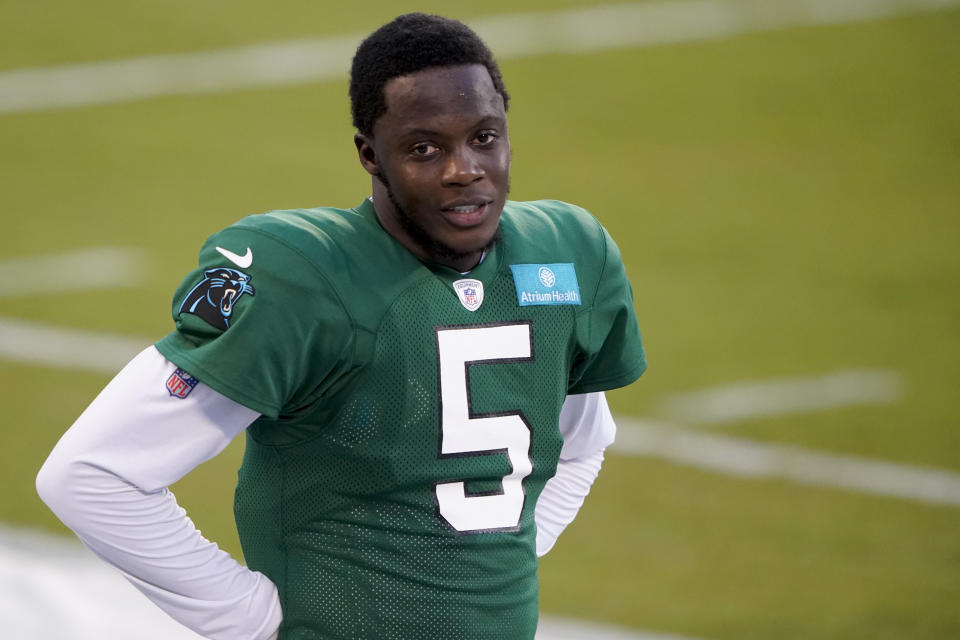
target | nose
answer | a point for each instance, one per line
(462, 168)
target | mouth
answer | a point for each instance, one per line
(226, 303)
(466, 214)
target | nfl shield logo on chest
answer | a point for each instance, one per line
(470, 293)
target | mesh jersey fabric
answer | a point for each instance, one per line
(389, 487)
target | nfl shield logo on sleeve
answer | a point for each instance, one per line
(180, 383)
(470, 293)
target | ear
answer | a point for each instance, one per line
(368, 157)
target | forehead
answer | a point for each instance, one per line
(440, 95)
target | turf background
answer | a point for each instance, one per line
(787, 204)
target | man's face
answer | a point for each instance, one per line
(441, 156)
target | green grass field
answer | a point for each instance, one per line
(788, 204)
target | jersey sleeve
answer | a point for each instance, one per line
(259, 322)
(609, 352)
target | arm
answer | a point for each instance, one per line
(106, 479)
(587, 428)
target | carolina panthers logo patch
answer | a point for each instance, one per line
(214, 297)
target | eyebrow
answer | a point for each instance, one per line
(419, 131)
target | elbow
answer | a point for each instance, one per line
(60, 485)
(82, 494)
(52, 482)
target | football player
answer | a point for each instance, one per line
(419, 378)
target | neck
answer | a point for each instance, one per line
(416, 239)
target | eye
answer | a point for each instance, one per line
(486, 138)
(424, 149)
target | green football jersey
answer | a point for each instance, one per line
(409, 412)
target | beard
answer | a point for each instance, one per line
(437, 250)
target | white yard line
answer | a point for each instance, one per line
(562, 628)
(52, 588)
(76, 270)
(748, 458)
(45, 345)
(303, 61)
(766, 398)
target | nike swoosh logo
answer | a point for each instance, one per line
(243, 261)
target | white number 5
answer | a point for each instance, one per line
(463, 434)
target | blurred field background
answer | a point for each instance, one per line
(787, 202)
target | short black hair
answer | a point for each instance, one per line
(408, 44)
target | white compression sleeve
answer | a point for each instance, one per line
(562, 498)
(586, 425)
(106, 479)
(587, 428)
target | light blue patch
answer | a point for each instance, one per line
(541, 284)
